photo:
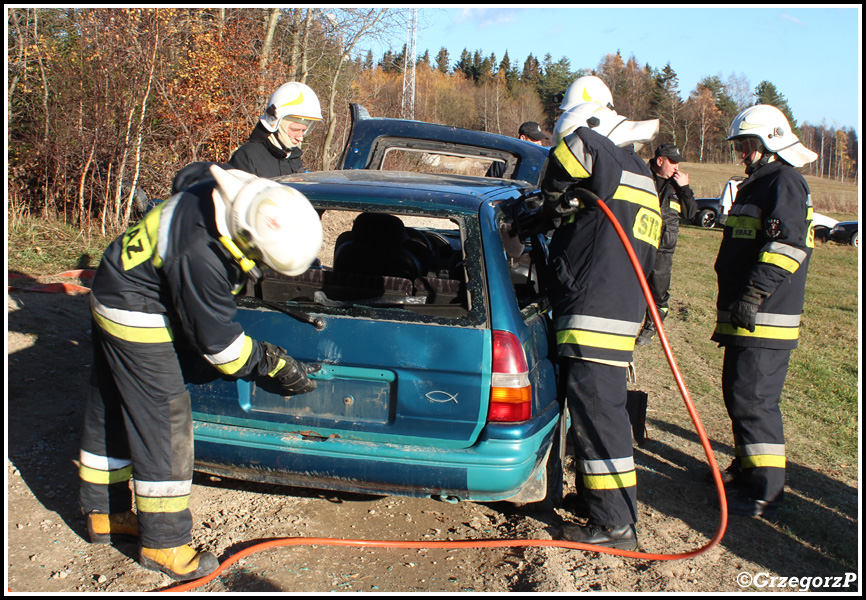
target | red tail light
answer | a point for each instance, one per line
(510, 392)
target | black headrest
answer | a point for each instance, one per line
(378, 229)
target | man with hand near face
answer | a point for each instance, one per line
(676, 199)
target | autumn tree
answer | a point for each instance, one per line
(704, 115)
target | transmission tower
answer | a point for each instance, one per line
(409, 60)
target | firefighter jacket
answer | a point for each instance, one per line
(260, 157)
(674, 201)
(768, 240)
(170, 273)
(597, 302)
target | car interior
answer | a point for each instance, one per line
(375, 259)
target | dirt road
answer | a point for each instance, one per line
(48, 365)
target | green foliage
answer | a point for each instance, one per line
(766, 93)
(555, 77)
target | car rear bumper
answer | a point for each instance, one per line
(495, 468)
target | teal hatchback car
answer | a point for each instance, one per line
(427, 315)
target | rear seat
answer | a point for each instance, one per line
(342, 286)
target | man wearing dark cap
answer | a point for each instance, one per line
(676, 199)
(530, 132)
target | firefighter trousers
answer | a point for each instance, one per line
(752, 382)
(606, 477)
(138, 423)
(659, 280)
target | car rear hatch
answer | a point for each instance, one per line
(392, 144)
(404, 361)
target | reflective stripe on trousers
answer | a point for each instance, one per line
(138, 414)
(752, 382)
(600, 424)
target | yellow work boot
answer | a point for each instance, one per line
(181, 563)
(103, 527)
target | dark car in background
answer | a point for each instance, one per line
(429, 320)
(712, 212)
(846, 232)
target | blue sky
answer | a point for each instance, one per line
(811, 55)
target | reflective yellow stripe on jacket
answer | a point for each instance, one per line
(598, 332)
(132, 326)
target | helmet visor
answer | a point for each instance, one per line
(745, 145)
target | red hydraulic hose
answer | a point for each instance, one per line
(451, 545)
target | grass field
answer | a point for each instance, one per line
(820, 401)
(837, 200)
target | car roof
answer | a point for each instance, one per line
(421, 191)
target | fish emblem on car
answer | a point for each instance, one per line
(441, 397)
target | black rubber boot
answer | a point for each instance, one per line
(743, 506)
(623, 538)
(646, 333)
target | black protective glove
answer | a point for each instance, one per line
(291, 375)
(744, 312)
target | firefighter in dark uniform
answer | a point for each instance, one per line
(597, 303)
(164, 289)
(677, 200)
(274, 146)
(761, 268)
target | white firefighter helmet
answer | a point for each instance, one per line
(769, 124)
(587, 89)
(294, 100)
(272, 223)
(605, 121)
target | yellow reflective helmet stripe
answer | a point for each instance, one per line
(296, 101)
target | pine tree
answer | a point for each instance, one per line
(766, 93)
(443, 60)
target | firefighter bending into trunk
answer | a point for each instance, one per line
(761, 267)
(163, 293)
(598, 306)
